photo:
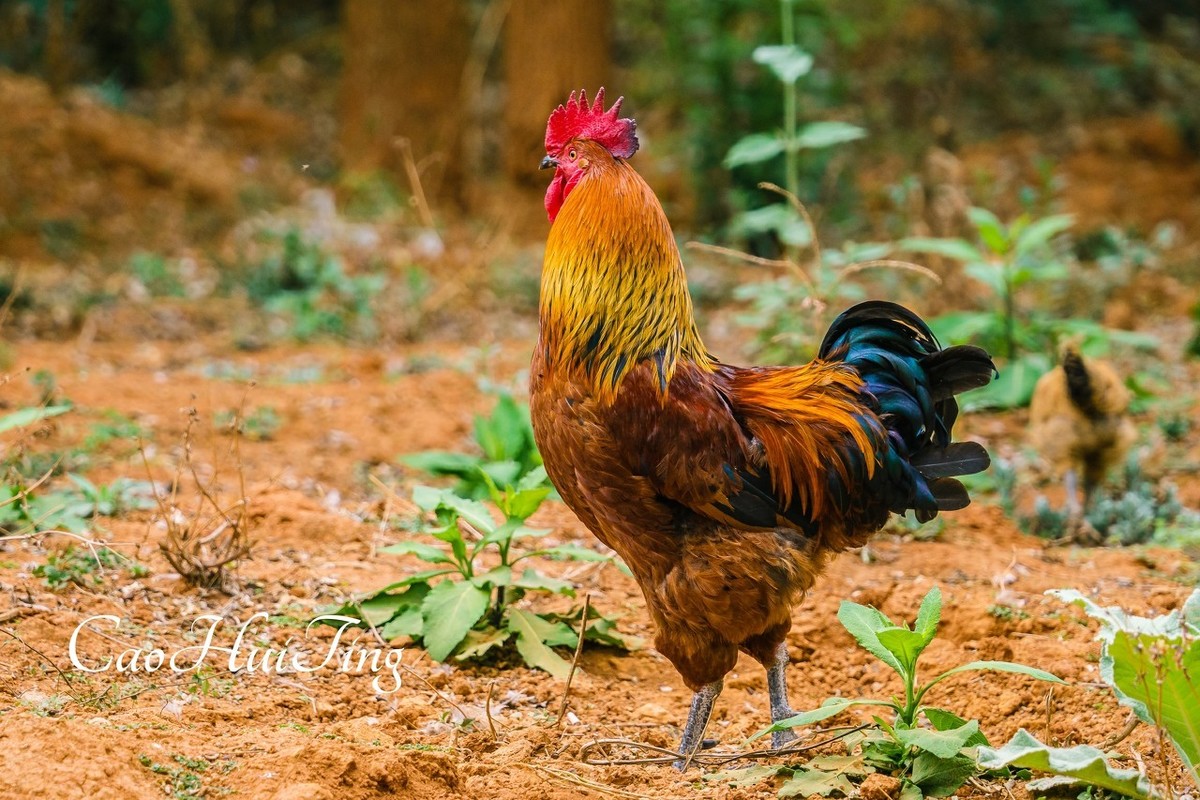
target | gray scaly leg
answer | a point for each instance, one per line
(693, 732)
(777, 691)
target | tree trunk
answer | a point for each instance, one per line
(550, 48)
(401, 81)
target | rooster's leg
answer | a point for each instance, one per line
(693, 732)
(777, 691)
(1071, 484)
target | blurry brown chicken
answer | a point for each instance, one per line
(1078, 422)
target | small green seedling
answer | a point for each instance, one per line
(930, 761)
(465, 604)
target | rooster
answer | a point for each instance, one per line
(725, 489)
(1078, 421)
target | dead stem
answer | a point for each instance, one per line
(583, 623)
(571, 777)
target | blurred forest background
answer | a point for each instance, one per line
(159, 148)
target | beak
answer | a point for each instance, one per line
(548, 162)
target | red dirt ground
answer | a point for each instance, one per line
(309, 736)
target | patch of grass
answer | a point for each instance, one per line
(183, 779)
(84, 567)
(309, 292)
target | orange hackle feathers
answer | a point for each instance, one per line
(613, 288)
(577, 120)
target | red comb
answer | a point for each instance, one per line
(576, 120)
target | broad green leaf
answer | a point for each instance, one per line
(452, 535)
(530, 645)
(477, 643)
(999, 666)
(905, 645)
(825, 134)
(416, 577)
(555, 633)
(943, 720)
(929, 615)
(571, 552)
(520, 505)
(778, 218)
(531, 579)
(787, 61)
(957, 249)
(423, 551)
(473, 511)
(1040, 233)
(439, 462)
(991, 230)
(746, 776)
(809, 782)
(533, 479)
(379, 607)
(28, 416)
(943, 744)
(910, 791)
(1159, 678)
(753, 149)
(450, 610)
(427, 498)
(408, 622)
(864, 624)
(964, 327)
(501, 473)
(830, 708)
(501, 575)
(604, 631)
(1153, 667)
(941, 777)
(989, 274)
(1081, 762)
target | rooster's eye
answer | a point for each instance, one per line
(572, 154)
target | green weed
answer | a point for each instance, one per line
(473, 607)
(509, 453)
(932, 761)
(1011, 259)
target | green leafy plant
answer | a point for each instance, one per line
(1009, 259)
(1067, 765)
(788, 63)
(309, 291)
(930, 761)
(84, 567)
(466, 603)
(509, 453)
(27, 509)
(1152, 665)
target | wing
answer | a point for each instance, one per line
(750, 448)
